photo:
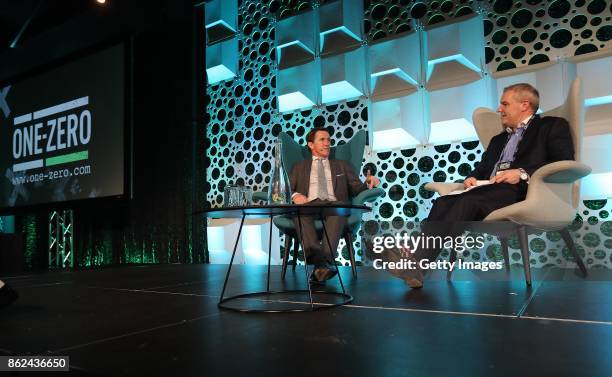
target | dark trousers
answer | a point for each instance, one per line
(449, 212)
(316, 249)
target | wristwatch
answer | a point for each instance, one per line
(524, 176)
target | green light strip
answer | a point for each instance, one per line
(64, 159)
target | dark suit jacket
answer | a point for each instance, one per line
(546, 140)
(345, 182)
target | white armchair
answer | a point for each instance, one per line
(553, 194)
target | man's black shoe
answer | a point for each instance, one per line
(321, 274)
(7, 295)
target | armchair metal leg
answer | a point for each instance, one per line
(504, 247)
(522, 235)
(305, 264)
(452, 258)
(286, 255)
(569, 242)
(349, 245)
(296, 250)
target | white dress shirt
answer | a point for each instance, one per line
(313, 187)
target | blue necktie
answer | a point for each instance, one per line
(509, 150)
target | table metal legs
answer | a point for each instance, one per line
(223, 300)
(269, 255)
(305, 261)
(229, 268)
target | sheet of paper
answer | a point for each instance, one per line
(478, 184)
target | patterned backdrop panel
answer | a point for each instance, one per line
(244, 122)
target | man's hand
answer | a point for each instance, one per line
(300, 199)
(512, 176)
(371, 180)
(471, 181)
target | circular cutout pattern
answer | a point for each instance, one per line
(502, 6)
(499, 37)
(410, 209)
(559, 8)
(596, 6)
(529, 36)
(578, 21)
(560, 38)
(521, 18)
(518, 52)
(396, 192)
(425, 164)
(418, 10)
(604, 33)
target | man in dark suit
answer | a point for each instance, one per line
(527, 143)
(322, 179)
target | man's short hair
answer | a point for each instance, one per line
(310, 136)
(526, 92)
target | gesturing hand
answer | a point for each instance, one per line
(371, 180)
(300, 199)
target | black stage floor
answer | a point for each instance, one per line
(163, 320)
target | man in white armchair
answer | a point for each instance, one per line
(501, 178)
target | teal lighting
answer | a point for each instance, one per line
(256, 257)
(393, 72)
(295, 43)
(293, 101)
(220, 257)
(596, 186)
(396, 72)
(390, 73)
(221, 23)
(289, 53)
(457, 57)
(221, 235)
(7, 224)
(451, 130)
(251, 237)
(31, 237)
(598, 101)
(394, 138)
(252, 245)
(216, 238)
(219, 73)
(339, 91)
(342, 29)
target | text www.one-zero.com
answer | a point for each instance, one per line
(52, 175)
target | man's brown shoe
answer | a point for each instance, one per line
(321, 274)
(412, 277)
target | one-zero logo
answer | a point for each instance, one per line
(65, 128)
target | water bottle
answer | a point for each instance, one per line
(279, 191)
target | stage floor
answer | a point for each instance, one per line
(161, 320)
